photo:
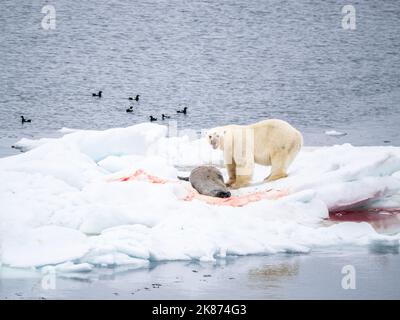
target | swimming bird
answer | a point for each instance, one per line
(136, 98)
(152, 119)
(130, 109)
(164, 116)
(97, 94)
(23, 120)
(184, 110)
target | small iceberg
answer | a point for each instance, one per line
(335, 133)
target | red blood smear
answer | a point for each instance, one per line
(368, 214)
(380, 218)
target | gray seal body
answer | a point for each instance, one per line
(208, 180)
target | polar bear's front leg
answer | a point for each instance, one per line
(231, 168)
(244, 174)
(241, 181)
(244, 170)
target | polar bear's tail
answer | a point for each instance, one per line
(295, 148)
(301, 139)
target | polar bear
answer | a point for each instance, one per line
(271, 142)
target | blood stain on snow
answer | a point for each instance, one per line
(382, 219)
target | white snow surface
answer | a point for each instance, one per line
(59, 209)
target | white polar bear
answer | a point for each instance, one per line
(270, 142)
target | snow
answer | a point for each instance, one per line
(63, 211)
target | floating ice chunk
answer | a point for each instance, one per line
(335, 133)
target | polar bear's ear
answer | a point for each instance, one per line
(209, 133)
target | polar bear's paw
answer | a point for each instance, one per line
(276, 176)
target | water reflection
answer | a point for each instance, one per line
(273, 275)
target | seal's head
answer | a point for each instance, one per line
(215, 137)
(208, 180)
(215, 183)
(221, 194)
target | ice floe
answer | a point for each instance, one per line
(62, 207)
(335, 133)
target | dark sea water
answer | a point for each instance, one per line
(229, 61)
(280, 276)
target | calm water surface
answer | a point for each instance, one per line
(280, 276)
(230, 61)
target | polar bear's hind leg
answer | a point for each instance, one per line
(278, 168)
(281, 161)
(275, 175)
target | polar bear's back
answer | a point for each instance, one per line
(272, 123)
(277, 131)
(274, 136)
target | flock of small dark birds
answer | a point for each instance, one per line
(136, 98)
(129, 110)
(164, 116)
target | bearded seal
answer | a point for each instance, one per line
(208, 180)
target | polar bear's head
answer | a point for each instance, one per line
(215, 137)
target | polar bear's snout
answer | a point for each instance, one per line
(214, 143)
